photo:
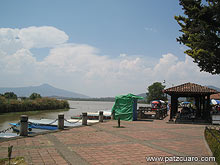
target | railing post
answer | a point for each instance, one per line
(100, 116)
(164, 114)
(113, 115)
(157, 116)
(60, 121)
(119, 122)
(24, 125)
(84, 118)
(160, 114)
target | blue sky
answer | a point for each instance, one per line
(114, 26)
(123, 40)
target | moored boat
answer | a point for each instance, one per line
(95, 115)
(7, 135)
(32, 128)
(42, 125)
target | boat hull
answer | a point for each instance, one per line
(33, 128)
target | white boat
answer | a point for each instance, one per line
(95, 115)
(35, 126)
(7, 135)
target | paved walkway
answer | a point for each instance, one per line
(104, 143)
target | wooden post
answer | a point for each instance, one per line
(113, 115)
(197, 102)
(134, 109)
(119, 122)
(84, 118)
(23, 125)
(100, 116)
(200, 106)
(174, 106)
(208, 108)
(157, 116)
(203, 107)
(60, 121)
(161, 114)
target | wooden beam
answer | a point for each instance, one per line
(174, 106)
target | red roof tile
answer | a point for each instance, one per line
(215, 96)
(190, 88)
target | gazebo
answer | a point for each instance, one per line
(201, 94)
(215, 96)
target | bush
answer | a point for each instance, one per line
(10, 95)
(34, 96)
(12, 105)
(211, 136)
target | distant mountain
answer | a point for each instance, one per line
(44, 90)
(142, 95)
(213, 87)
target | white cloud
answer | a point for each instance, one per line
(11, 40)
(80, 67)
(19, 62)
(40, 37)
(150, 29)
(123, 55)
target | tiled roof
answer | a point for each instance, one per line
(215, 96)
(190, 88)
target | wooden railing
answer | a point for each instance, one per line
(160, 113)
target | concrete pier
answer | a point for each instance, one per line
(84, 118)
(24, 125)
(100, 116)
(60, 121)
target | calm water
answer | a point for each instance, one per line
(76, 108)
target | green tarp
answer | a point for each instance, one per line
(124, 106)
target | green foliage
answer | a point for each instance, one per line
(213, 143)
(34, 96)
(9, 153)
(201, 32)
(10, 95)
(16, 160)
(13, 105)
(156, 92)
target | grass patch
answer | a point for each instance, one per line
(211, 137)
(17, 161)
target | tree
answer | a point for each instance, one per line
(156, 92)
(34, 96)
(10, 95)
(201, 32)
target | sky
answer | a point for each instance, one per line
(97, 48)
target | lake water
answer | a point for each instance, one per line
(76, 108)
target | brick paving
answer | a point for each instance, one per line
(104, 143)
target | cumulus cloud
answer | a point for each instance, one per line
(40, 37)
(123, 55)
(19, 62)
(11, 40)
(81, 68)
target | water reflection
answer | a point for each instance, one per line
(76, 108)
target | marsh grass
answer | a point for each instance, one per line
(17, 161)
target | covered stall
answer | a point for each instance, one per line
(201, 95)
(125, 107)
